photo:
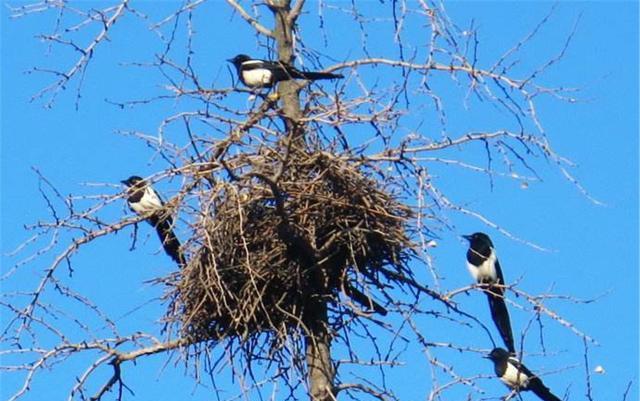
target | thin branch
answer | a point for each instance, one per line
(250, 20)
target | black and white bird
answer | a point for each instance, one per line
(256, 73)
(516, 376)
(484, 266)
(146, 202)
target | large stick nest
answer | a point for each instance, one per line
(280, 238)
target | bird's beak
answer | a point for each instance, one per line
(125, 182)
(486, 356)
(467, 237)
(230, 60)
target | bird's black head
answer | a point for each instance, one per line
(133, 180)
(498, 355)
(478, 239)
(239, 59)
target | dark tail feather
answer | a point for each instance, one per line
(292, 72)
(170, 242)
(500, 317)
(364, 300)
(310, 75)
(542, 391)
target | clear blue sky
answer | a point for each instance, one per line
(595, 248)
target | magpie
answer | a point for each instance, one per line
(145, 201)
(484, 266)
(255, 73)
(516, 376)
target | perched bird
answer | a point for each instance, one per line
(256, 73)
(144, 201)
(516, 376)
(484, 266)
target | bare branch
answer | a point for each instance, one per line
(288, 205)
(250, 20)
(87, 52)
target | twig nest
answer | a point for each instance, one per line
(282, 236)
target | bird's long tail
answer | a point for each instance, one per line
(500, 316)
(364, 300)
(313, 76)
(542, 391)
(293, 72)
(170, 242)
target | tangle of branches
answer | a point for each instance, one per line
(285, 206)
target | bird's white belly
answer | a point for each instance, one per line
(257, 77)
(513, 378)
(149, 202)
(486, 271)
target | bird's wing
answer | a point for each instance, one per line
(279, 70)
(163, 223)
(500, 316)
(521, 368)
(264, 73)
(257, 64)
(148, 203)
(284, 72)
(150, 199)
(542, 391)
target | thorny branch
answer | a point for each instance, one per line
(106, 18)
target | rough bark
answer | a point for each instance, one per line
(320, 369)
(288, 91)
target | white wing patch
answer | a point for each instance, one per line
(150, 202)
(486, 271)
(513, 378)
(250, 62)
(257, 77)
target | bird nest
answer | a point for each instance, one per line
(322, 230)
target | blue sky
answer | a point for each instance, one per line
(594, 249)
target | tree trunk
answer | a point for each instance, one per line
(319, 364)
(320, 368)
(287, 90)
